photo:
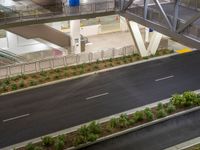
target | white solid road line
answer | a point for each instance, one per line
(92, 97)
(168, 77)
(17, 117)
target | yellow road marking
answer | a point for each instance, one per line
(185, 50)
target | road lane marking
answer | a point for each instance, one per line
(15, 118)
(185, 50)
(165, 78)
(96, 96)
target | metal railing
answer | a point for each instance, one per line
(31, 13)
(69, 60)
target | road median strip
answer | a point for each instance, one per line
(44, 78)
(122, 123)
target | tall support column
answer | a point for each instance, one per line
(154, 42)
(12, 41)
(137, 37)
(75, 36)
(123, 24)
(139, 42)
(147, 35)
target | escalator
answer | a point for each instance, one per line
(7, 58)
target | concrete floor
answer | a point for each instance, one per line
(109, 41)
(121, 39)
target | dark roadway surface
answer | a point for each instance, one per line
(64, 105)
(156, 137)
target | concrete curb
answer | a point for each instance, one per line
(102, 120)
(185, 145)
(91, 73)
(136, 128)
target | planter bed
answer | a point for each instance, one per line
(30, 80)
(195, 147)
(87, 135)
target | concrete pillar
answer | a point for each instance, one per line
(12, 40)
(147, 35)
(123, 24)
(75, 36)
(137, 37)
(155, 42)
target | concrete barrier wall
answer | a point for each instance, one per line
(70, 60)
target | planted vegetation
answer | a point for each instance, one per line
(24, 81)
(196, 147)
(94, 131)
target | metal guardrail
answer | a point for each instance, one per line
(36, 14)
(69, 60)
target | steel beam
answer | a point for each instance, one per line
(163, 14)
(189, 41)
(146, 2)
(130, 2)
(176, 14)
(189, 22)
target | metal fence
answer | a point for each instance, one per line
(69, 60)
(30, 13)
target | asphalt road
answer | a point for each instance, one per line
(56, 107)
(156, 137)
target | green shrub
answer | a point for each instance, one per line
(29, 146)
(14, 86)
(7, 81)
(46, 78)
(74, 73)
(88, 133)
(110, 60)
(96, 67)
(161, 113)
(32, 83)
(190, 98)
(62, 138)
(21, 84)
(160, 106)
(92, 137)
(186, 100)
(66, 74)
(97, 62)
(197, 101)
(125, 60)
(94, 128)
(88, 69)
(138, 116)
(4, 87)
(177, 100)
(111, 64)
(83, 131)
(114, 122)
(81, 71)
(149, 114)
(34, 76)
(118, 62)
(57, 70)
(23, 76)
(56, 77)
(41, 80)
(43, 73)
(80, 140)
(170, 108)
(16, 78)
(123, 121)
(47, 141)
(59, 144)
